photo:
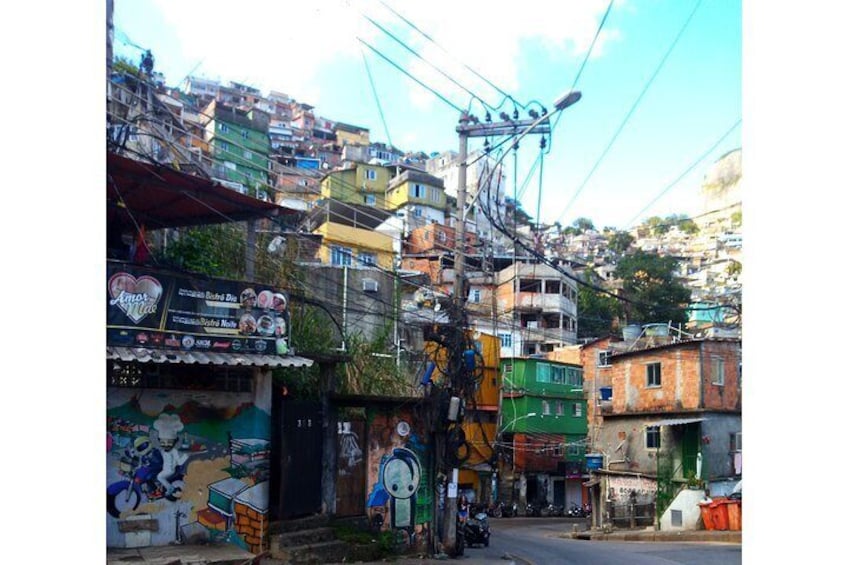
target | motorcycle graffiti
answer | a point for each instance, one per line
(141, 465)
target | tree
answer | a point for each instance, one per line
(621, 241)
(583, 224)
(657, 225)
(736, 219)
(597, 311)
(652, 289)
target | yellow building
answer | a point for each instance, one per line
(360, 184)
(480, 423)
(413, 187)
(348, 236)
(347, 134)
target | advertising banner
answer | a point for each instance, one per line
(147, 307)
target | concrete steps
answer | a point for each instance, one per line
(307, 540)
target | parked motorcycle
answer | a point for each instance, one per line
(495, 510)
(141, 483)
(577, 511)
(476, 530)
(552, 510)
(532, 510)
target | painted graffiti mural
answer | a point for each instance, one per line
(398, 475)
(188, 465)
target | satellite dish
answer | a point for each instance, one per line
(275, 244)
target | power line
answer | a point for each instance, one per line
(408, 74)
(433, 41)
(631, 111)
(422, 58)
(376, 96)
(687, 171)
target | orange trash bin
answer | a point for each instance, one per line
(734, 514)
(706, 515)
(718, 509)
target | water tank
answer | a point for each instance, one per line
(631, 332)
(656, 330)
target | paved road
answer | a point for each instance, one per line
(537, 541)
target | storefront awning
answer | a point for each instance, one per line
(676, 422)
(146, 355)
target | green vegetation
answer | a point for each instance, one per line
(598, 311)
(651, 286)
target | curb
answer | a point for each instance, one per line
(683, 536)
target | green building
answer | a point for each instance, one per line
(239, 146)
(543, 430)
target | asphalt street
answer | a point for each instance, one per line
(538, 541)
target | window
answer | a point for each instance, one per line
(366, 258)
(244, 134)
(417, 213)
(225, 146)
(574, 377)
(418, 191)
(736, 441)
(552, 287)
(558, 450)
(546, 408)
(370, 200)
(440, 235)
(577, 410)
(507, 367)
(560, 408)
(434, 195)
(574, 450)
(654, 374)
(506, 341)
(370, 174)
(604, 358)
(543, 373)
(340, 255)
(718, 371)
(223, 128)
(558, 375)
(303, 182)
(474, 296)
(652, 437)
(248, 155)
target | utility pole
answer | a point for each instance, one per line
(470, 127)
(466, 129)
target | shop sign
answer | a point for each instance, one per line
(147, 307)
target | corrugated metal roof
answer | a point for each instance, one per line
(145, 355)
(676, 422)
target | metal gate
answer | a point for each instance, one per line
(350, 469)
(300, 465)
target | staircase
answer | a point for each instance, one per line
(307, 540)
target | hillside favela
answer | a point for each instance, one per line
(323, 347)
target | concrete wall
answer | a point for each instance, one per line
(399, 480)
(715, 443)
(687, 503)
(222, 438)
(369, 312)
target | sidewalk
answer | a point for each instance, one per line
(649, 534)
(212, 554)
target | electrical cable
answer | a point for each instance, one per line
(408, 74)
(631, 111)
(682, 175)
(376, 96)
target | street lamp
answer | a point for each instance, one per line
(514, 420)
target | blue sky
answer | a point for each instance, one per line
(531, 50)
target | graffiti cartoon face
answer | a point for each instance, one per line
(402, 474)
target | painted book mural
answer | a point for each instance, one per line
(398, 475)
(187, 466)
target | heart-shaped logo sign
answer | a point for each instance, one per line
(137, 297)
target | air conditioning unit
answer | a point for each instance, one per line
(370, 285)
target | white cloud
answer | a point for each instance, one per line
(281, 45)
